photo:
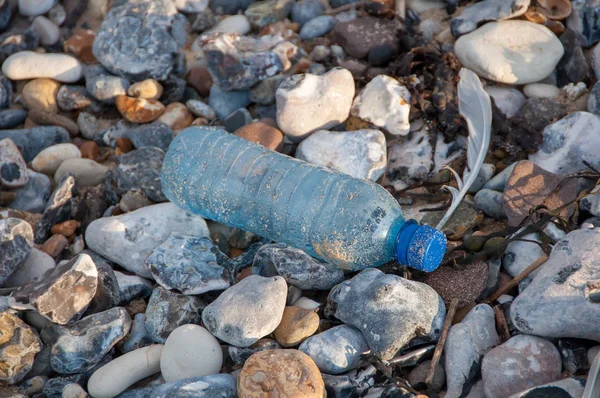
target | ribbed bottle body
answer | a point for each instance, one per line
(350, 222)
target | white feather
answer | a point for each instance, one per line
(476, 108)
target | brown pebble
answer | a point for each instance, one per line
(89, 150)
(280, 373)
(263, 134)
(54, 119)
(177, 116)
(80, 44)
(147, 89)
(296, 325)
(124, 144)
(55, 245)
(66, 228)
(139, 110)
(29, 124)
(200, 122)
(199, 78)
(136, 307)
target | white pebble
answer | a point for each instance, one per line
(120, 373)
(49, 32)
(190, 351)
(307, 304)
(49, 159)
(233, 24)
(26, 65)
(31, 8)
(541, 90)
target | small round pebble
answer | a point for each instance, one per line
(49, 32)
(296, 325)
(280, 373)
(190, 351)
(200, 109)
(139, 110)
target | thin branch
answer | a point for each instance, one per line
(442, 341)
(515, 281)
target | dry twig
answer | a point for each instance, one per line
(501, 324)
(442, 341)
(515, 281)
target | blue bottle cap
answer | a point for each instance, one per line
(420, 246)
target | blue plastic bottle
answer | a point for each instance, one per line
(347, 221)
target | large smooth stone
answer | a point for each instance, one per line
(247, 311)
(307, 103)
(187, 264)
(26, 65)
(190, 351)
(388, 310)
(120, 373)
(568, 142)
(19, 344)
(359, 153)
(522, 362)
(514, 52)
(16, 241)
(81, 345)
(63, 293)
(567, 281)
(129, 239)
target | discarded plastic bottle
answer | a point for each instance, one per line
(347, 221)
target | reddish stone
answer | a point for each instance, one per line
(262, 133)
(199, 78)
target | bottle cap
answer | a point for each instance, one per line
(420, 246)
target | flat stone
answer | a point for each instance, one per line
(296, 325)
(247, 311)
(360, 153)
(522, 362)
(297, 267)
(190, 351)
(237, 119)
(489, 10)
(566, 281)
(187, 264)
(468, 341)
(52, 119)
(508, 100)
(139, 170)
(49, 159)
(568, 142)
(18, 347)
(504, 51)
(266, 12)
(81, 345)
(571, 387)
(149, 27)
(465, 285)
(32, 141)
(13, 170)
(58, 208)
(317, 27)
(130, 238)
(10, 118)
(114, 377)
(16, 241)
(238, 62)
(284, 373)
(221, 385)
(167, 311)
(358, 37)
(25, 65)
(307, 103)
(86, 171)
(63, 293)
(530, 186)
(388, 310)
(336, 350)
(224, 103)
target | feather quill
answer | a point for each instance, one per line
(476, 108)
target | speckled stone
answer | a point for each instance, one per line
(81, 345)
(63, 294)
(19, 344)
(389, 310)
(167, 311)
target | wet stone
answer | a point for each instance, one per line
(365, 302)
(187, 264)
(167, 311)
(64, 292)
(58, 208)
(16, 241)
(297, 267)
(13, 170)
(124, 27)
(19, 344)
(81, 345)
(12, 117)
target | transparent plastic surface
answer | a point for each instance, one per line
(350, 222)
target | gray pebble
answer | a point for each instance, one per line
(490, 203)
